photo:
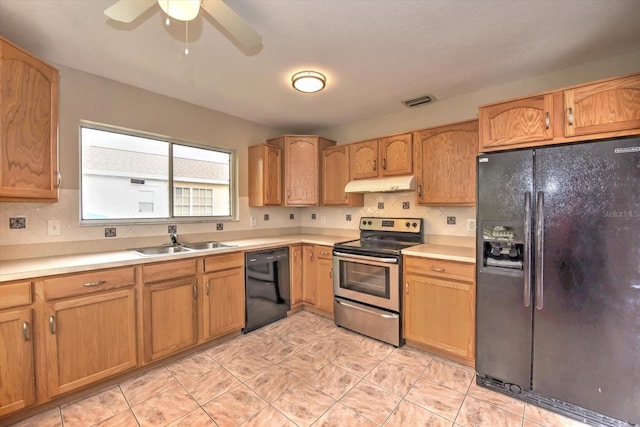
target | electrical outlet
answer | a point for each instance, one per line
(313, 216)
(380, 205)
(18, 223)
(172, 229)
(219, 227)
(254, 221)
(451, 220)
(110, 232)
(406, 205)
(292, 216)
(266, 217)
(53, 227)
(471, 225)
(348, 217)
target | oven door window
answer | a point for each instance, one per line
(365, 278)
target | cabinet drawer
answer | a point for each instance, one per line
(440, 268)
(95, 281)
(223, 261)
(15, 294)
(168, 270)
(324, 252)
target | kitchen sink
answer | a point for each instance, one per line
(198, 246)
(161, 250)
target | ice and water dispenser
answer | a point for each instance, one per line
(502, 246)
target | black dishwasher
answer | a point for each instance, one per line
(267, 287)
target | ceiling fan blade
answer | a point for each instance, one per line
(128, 10)
(232, 23)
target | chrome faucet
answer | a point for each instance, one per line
(174, 239)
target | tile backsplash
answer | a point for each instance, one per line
(66, 211)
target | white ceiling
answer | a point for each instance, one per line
(375, 53)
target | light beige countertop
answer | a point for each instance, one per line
(450, 253)
(28, 268)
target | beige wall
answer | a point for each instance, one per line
(86, 96)
(465, 107)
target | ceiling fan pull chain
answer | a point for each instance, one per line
(186, 38)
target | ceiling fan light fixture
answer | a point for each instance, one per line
(181, 10)
(308, 81)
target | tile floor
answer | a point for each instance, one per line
(302, 371)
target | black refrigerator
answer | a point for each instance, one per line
(558, 278)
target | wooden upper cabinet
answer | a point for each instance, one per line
(396, 155)
(445, 159)
(301, 157)
(388, 156)
(265, 174)
(608, 106)
(512, 123)
(364, 159)
(28, 127)
(335, 176)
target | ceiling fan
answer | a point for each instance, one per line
(186, 10)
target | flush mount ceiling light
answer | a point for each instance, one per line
(308, 81)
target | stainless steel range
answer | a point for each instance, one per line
(368, 273)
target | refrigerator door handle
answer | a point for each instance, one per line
(539, 250)
(527, 249)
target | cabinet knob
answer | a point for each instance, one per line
(93, 284)
(58, 179)
(208, 288)
(439, 270)
(570, 116)
(52, 325)
(375, 165)
(419, 190)
(384, 164)
(195, 292)
(331, 273)
(406, 287)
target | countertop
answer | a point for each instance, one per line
(450, 253)
(48, 266)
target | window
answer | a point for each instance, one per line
(128, 177)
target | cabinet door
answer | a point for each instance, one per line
(265, 175)
(440, 314)
(17, 382)
(324, 285)
(396, 156)
(308, 274)
(273, 174)
(513, 123)
(295, 259)
(170, 317)
(223, 302)
(28, 127)
(102, 326)
(363, 159)
(335, 176)
(301, 171)
(446, 164)
(603, 107)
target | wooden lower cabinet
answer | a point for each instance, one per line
(223, 302)
(295, 268)
(324, 279)
(89, 338)
(308, 274)
(170, 317)
(439, 312)
(17, 382)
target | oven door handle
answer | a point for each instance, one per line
(355, 307)
(367, 258)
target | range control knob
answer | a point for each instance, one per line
(364, 222)
(408, 224)
(369, 222)
(414, 225)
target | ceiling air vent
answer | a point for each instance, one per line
(426, 99)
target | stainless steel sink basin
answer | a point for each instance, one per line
(198, 246)
(161, 250)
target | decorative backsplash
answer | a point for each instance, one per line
(44, 221)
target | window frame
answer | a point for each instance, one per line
(171, 219)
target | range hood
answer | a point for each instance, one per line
(382, 185)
